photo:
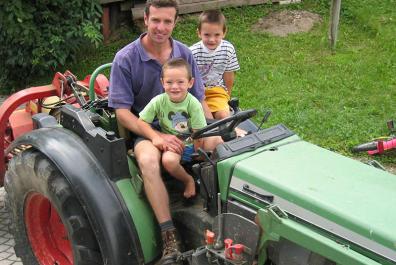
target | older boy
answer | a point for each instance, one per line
(216, 60)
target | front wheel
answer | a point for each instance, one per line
(48, 222)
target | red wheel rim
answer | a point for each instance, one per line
(47, 234)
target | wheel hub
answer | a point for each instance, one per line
(46, 232)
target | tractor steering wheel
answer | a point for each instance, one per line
(225, 127)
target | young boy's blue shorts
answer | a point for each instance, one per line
(187, 152)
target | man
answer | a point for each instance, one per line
(134, 81)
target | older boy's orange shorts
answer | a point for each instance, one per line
(217, 98)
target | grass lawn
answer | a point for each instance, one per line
(335, 100)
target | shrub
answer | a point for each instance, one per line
(37, 36)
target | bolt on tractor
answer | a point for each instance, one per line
(75, 194)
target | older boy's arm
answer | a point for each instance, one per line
(229, 78)
(207, 112)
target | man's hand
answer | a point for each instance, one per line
(172, 143)
(160, 143)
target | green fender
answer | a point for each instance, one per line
(141, 213)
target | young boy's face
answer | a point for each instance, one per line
(176, 83)
(211, 35)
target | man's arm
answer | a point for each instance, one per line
(153, 135)
(128, 120)
(229, 78)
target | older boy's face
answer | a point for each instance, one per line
(176, 83)
(211, 35)
(160, 23)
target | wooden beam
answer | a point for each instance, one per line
(192, 6)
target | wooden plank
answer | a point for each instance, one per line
(192, 6)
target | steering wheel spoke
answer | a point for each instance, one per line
(225, 127)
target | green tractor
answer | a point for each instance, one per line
(75, 194)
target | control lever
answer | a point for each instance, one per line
(203, 153)
(80, 99)
(265, 118)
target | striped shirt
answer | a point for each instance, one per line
(213, 63)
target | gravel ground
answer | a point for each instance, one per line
(7, 254)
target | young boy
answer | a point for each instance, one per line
(179, 113)
(216, 60)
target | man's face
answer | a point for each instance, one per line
(160, 23)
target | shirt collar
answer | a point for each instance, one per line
(145, 57)
(211, 51)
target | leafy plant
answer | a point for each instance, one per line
(39, 35)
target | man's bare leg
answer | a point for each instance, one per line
(149, 157)
(171, 162)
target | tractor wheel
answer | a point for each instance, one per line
(48, 222)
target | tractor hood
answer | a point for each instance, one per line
(345, 197)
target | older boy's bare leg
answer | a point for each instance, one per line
(149, 157)
(221, 114)
(171, 162)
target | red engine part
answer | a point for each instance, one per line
(209, 237)
(233, 252)
(16, 123)
(101, 85)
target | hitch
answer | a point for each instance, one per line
(238, 246)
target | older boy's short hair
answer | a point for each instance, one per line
(177, 63)
(159, 4)
(212, 17)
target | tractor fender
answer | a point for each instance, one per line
(106, 210)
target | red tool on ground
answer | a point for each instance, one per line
(380, 145)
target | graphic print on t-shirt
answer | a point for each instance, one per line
(179, 121)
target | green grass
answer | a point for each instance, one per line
(335, 100)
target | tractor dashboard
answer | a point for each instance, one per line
(253, 141)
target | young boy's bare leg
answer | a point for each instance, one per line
(171, 162)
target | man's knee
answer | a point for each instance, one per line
(147, 155)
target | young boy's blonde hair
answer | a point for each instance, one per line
(212, 17)
(177, 63)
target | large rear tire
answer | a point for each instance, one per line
(48, 222)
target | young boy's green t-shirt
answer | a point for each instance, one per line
(175, 118)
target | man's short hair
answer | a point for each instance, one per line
(177, 63)
(212, 17)
(159, 4)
